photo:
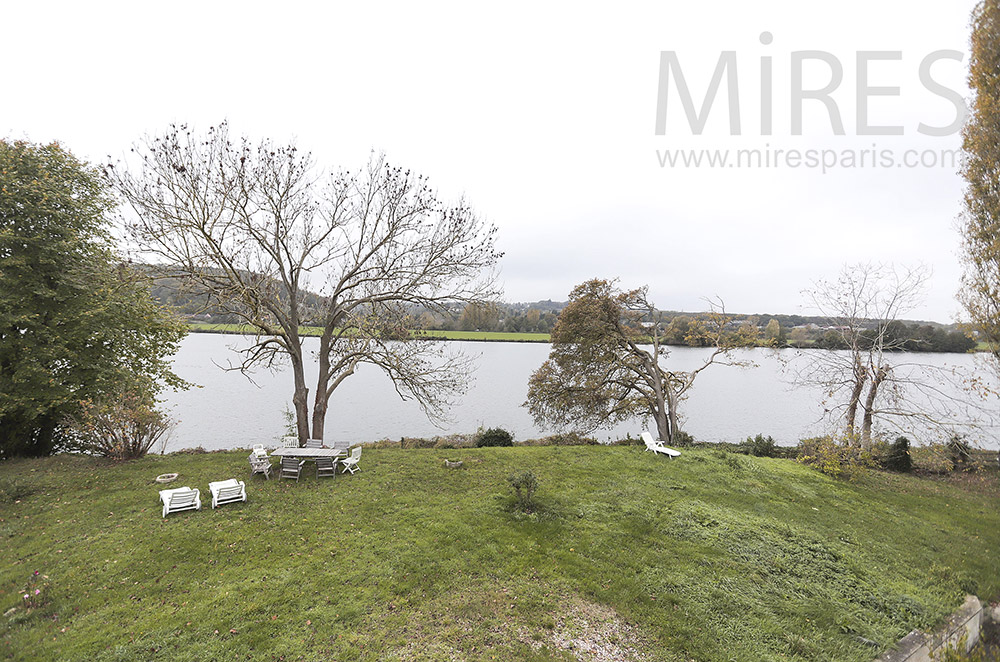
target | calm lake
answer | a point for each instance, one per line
(228, 410)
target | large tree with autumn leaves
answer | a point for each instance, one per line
(608, 362)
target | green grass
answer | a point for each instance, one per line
(199, 327)
(495, 336)
(708, 557)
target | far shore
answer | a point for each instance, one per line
(432, 334)
(475, 336)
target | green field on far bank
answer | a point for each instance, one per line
(712, 556)
(494, 336)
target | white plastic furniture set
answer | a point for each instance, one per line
(186, 498)
(657, 446)
(293, 458)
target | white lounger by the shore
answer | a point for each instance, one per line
(657, 446)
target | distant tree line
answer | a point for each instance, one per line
(675, 328)
(901, 337)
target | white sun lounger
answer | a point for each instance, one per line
(180, 498)
(657, 446)
(227, 491)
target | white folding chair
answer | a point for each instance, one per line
(260, 465)
(350, 463)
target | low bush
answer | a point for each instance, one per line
(122, 429)
(959, 454)
(455, 441)
(759, 446)
(834, 459)
(682, 439)
(493, 437)
(524, 485)
(36, 591)
(409, 443)
(562, 439)
(897, 456)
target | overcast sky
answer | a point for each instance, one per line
(544, 116)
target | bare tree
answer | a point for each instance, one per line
(864, 374)
(607, 362)
(278, 245)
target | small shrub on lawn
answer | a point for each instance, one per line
(959, 454)
(897, 457)
(682, 439)
(125, 428)
(36, 591)
(493, 437)
(759, 446)
(833, 459)
(524, 484)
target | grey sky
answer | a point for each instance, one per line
(543, 115)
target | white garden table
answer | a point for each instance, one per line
(308, 453)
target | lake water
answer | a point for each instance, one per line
(228, 410)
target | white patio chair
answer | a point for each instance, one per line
(350, 463)
(291, 467)
(227, 491)
(180, 498)
(290, 441)
(260, 465)
(259, 451)
(657, 446)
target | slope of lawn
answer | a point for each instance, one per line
(627, 557)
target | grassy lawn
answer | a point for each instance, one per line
(446, 335)
(708, 557)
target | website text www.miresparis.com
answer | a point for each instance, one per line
(822, 160)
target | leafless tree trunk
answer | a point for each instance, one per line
(862, 307)
(866, 426)
(859, 376)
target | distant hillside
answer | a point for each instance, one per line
(537, 317)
